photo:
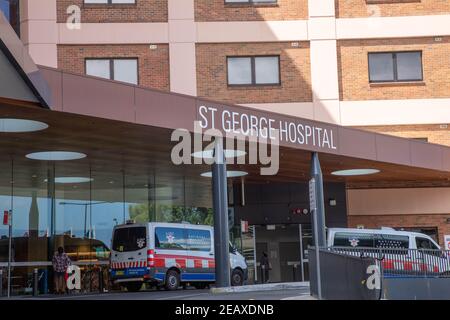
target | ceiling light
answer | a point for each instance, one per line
(354, 172)
(21, 125)
(71, 179)
(208, 154)
(230, 174)
(55, 155)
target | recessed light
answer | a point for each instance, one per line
(355, 172)
(21, 125)
(55, 155)
(208, 154)
(71, 179)
(230, 174)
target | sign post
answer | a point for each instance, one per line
(9, 220)
(317, 208)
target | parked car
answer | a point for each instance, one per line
(169, 255)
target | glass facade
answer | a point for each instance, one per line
(76, 204)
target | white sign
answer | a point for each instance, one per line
(248, 124)
(447, 242)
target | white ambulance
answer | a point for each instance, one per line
(402, 252)
(169, 255)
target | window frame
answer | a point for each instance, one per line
(158, 247)
(394, 63)
(109, 3)
(253, 71)
(251, 2)
(111, 68)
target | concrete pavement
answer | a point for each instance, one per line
(299, 293)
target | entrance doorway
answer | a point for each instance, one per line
(286, 246)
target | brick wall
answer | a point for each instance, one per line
(153, 64)
(217, 10)
(354, 75)
(295, 73)
(390, 8)
(436, 133)
(142, 11)
(404, 221)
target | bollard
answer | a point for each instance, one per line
(263, 274)
(1, 282)
(100, 280)
(294, 270)
(35, 282)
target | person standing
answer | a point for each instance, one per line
(60, 264)
(265, 267)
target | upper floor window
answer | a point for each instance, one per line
(259, 70)
(395, 66)
(109, 1)
(125, 70)
(10, 9)
(251, 1)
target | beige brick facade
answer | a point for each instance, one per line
(294, 69)
(153, 64)
(404, 221)
(354, 75)
(435, 133)
(390, 8)
(141, 11)
(218, 10)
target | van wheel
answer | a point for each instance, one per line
(133, 286)
(172, 280)
(237, 278)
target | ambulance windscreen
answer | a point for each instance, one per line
(129, 239)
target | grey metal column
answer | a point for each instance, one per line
(317, 214)
(220, 207)
(316, 173)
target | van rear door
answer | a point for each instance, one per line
(200, 263)
(129, 250)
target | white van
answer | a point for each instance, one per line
(375, 238)
(401, 250)
(169, 254)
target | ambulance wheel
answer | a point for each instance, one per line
(172, 280)
(237, 278)
(133, 286)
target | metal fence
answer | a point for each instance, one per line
(343, 276)
(401, 262)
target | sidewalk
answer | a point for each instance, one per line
(262, 287)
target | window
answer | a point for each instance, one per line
(395, 66)
(343, 239)
(129, 239)
(261, 70)
(10, 9)
(170, 238)
(251, 1)
(432, 232)
(109, 1)
(125, 70)
(391, 241)
(199, 240)
(424, 243)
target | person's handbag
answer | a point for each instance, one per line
(270, 266)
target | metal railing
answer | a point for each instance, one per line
(401, 262)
